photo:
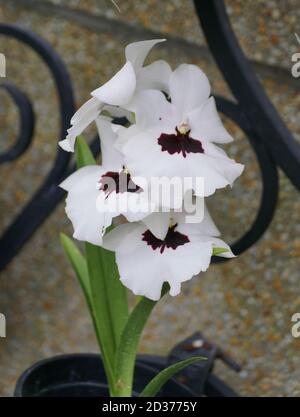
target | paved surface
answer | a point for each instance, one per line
(245, 305)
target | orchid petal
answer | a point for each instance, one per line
(142, 274)
(77, 176)
(119, 89)
(189, 88)
(112, 159)
(154, 76)
(152, 109)
(85, 115)
(83, 194)
(124, 134)
(205, 124)
(216, 172)
(124, 238)
(205, 227)
(158, 223)
(90, 105)
(137, 52)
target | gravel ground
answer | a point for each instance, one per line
(245, 305)
(265, 28)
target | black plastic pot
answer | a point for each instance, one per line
(82, 375)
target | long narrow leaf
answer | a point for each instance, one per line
(80, 267)
(78, 263)
(127, 348)
(126, 353)
(160, 379)
(116, 294)
(101, 306)
(109, 297)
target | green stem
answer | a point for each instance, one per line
(128, 346)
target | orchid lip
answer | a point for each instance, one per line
(180, 142)
(172, 240)
(120, 182)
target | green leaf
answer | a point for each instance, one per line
(160, 379)
(109, 301)
(80, 267)
(116, 294)
(84, 155)
(101, 307)
(219, 251)
(128, 346)
(78, 263)
(126, 353)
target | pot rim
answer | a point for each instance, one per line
(18, 392)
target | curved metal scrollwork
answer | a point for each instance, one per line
(48, 194)
(26, 128)
(271, 141)
(269, 176)
(251, 97)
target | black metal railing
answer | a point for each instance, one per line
(274, 145)
(48, 195)
(272, 142)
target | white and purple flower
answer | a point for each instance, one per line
(119, 90)
(145, 261)
(175, 135)
(95, 192)
(173, 130)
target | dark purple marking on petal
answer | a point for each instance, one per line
(179, 142)
(118, 182)
(172, 240)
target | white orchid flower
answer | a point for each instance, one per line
(97, 194)
(119, 90)
(175, 137)
(145, 262)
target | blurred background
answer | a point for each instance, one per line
(245, 305)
